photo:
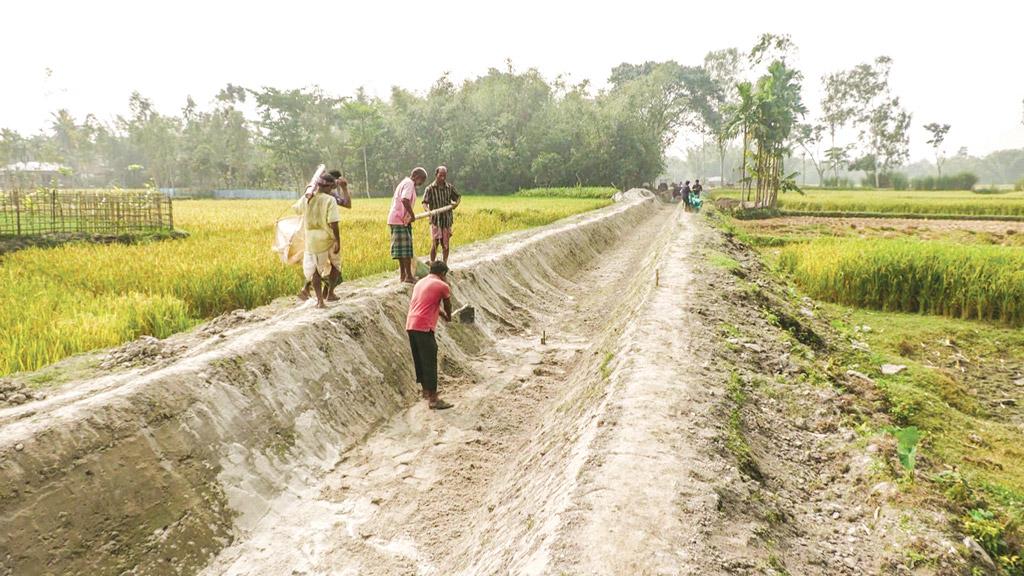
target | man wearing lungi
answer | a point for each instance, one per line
(440, 193)
(400, 220)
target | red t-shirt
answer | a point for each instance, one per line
(425, 306)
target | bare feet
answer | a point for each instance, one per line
(304, 293)
(440, 405)
(332, 297)
(321, 305)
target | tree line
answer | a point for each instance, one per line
(500, 132)
(508, 129)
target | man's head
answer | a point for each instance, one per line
(697, 181)
(687, 183)
(441, 174)
(439, 268)
(325, 183)
(419, 176)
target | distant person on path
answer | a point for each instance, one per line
(424, 309)
(695, 199)
(440, 193)
(686, 194)
(320, 220)
(400, 220)
(342, 198)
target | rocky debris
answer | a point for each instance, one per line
(860, 376)
(226, 322)
(1019, 382)
(892, 369)
(16, 393)
(979, 554)
(146, 349)
(861, 346)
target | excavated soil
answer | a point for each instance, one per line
(625, 403)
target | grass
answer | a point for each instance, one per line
(891, 202)
(973, 448)
(962, 281)
(573, 192)
(57, 302)
(960, 387)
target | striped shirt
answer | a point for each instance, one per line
(438, 196)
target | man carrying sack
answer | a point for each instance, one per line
(320, 217)
(342, 198)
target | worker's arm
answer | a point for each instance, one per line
(410, 216)
(346, 196)
(426, 199)
(456, 198)
(337, 238)
(447, 313)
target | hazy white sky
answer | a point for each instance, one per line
(958, 63)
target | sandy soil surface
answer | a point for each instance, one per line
(602, 438)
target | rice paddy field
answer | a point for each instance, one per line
(574, 192)
(896, 202)
(57, 302)
(909, 275)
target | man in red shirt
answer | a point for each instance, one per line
(424, 309)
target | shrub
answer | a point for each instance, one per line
(961, 181)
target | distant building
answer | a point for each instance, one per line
(33, 174)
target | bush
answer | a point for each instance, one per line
(961, 181)
(833, 182)
(1019, 186)
(899, 181)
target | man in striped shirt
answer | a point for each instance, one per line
(441, 193)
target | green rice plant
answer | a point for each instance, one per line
(930, 277)
(906, 445)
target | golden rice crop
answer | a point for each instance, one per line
(56, 302)
(569, 192)
(956, 280)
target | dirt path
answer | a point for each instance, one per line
(553, 450)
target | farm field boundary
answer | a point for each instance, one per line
(896, 215)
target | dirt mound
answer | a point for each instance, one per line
(16, 393)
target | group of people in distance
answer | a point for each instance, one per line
(431, 295)
(690, 195)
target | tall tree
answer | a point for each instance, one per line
(888, 137)
(848, 94)
(723, 68)
(938, 132)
